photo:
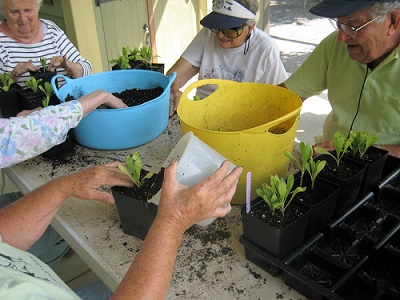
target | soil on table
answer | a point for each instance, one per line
(147, 190)
(132, 97)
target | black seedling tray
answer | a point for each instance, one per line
(355, 256)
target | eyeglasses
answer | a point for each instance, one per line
(351, 31)
(232, 32)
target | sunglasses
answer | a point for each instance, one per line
(232, 32)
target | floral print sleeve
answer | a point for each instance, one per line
(25, 137)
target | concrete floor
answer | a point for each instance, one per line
(296, 32)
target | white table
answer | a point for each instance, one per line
(211, 262)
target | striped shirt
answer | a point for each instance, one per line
(54, 43)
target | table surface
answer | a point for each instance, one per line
(211, 262)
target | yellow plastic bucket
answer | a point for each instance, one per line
(250, 124)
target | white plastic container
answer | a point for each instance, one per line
(197, 161)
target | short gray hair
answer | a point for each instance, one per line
(38, 2)
(251, 5)
(382, 9)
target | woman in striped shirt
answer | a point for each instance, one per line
(24, 39)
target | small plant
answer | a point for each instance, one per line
(123, 60)
(314, 168)
(33, 84)
(197, 98)
(144, 54)
(43, 63)
(279, 194)
(361, 141)
(47, 89)
(341, 145)
(306, 153)
(133, 168)
(6, 81)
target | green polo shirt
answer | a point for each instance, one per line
(330, 67)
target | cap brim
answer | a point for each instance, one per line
(219, 21)
(338, 8)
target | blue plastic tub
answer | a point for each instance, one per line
(116, 129)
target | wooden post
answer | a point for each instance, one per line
(153, 44)
(266, 16)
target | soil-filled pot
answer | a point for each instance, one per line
(279, 242)
(45, 76)
(348, 175)
(134, 209)
(140, 65)
(60, 150)
(10, 104)
(374, 158)
(321, 198)
(31, 100)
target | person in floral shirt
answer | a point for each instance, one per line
(34, 132)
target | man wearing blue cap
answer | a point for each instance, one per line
(359, 65)
(228, 47)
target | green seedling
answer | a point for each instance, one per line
(33, 84)
(43, 63)
(144, 54)
(133, 168)
(6, 81)
(341, 145)
(306, 153)
(122, 61)
(279, 194)
(362, 140)
(314, 168)
(196, 98)
(47, 89)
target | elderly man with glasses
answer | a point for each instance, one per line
(359, 65)
(228, 47)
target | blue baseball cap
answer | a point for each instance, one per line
(341, 8)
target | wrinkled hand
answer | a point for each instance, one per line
(87, 184)
(22, 68)
(182, 206)
(26, 112)
(175, 96)
(326, 145)
(58, 62)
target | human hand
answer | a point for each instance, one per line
(95, 99)
(57, 62)
(175, 96)
(87, 183)
(326, 145)
(26, 112)
(181, 206)
(22, 68)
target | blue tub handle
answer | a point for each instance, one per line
(171, 78)
(55, 88)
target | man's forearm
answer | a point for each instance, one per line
(153, 265)
(23, 222)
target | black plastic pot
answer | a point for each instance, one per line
(60, 150)
(44, 76)
(10, 104)
(374, 168)
(142, 66)
(349, 187)
(277, 242)
(137, 215)
(321, 199)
